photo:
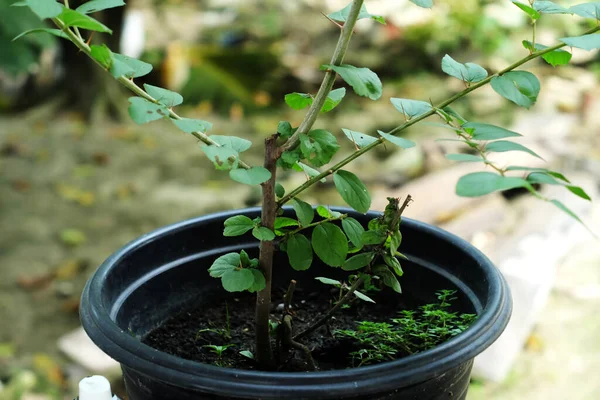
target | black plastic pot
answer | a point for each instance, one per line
(160, 274)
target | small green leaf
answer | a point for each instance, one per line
(284, 222)
(330, 244)
(244, 258)
(364, 81)
(423, 3)
(481, 183)
(233, 142)
(395, 241)
(488, 132)
(342, 15)
(554, 58)
(223, 158)
(398, 141)
(549, 7)
(299, 251)
(42, 8)
(354, 230)
(311, 172)
(333, 99)
(363, 296)
(74, 18)
(285, 129)
(501, 146)
(359, 139)
(587, 10)
(252, 176)
(128, 67)
(237, 280)
(279, 190)
(259, 281)
(263, 233)
(328, 281)
(358, 261)
(585, 42)
(99, 5)
(543, 170)
(388, 278)
(464, 157)
(410, 108)
(318, 146)
(298, 101)
(238, 225)
(394, 264)
(544, 177)
(520, 87)
(164, 96)
(564, 208)
(468, 72)
(142, 111)
(373, 237)
(247, 354)
(352, 190)
(533, 14)
(304, 211)
(324, 212)
(102, 54)
(223, 264)
(189, 125)
(54, 32)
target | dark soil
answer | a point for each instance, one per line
(186, 335)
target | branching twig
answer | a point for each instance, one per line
(290, 341)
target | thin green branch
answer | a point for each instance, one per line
(341, 217)
(419, 118)
(329, 78)
(129, 84)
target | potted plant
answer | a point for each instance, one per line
(330, 318)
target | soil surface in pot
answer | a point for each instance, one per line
(193, 334)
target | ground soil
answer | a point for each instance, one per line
(186, 334)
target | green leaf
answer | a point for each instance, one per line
(359, 139)
(223, 264)
(102, 54)
(468, 72)
(238, 225)
(552, 173)
(334, 98)
(99, 5)
(352, 190)
(232, 142)
(501, 146)
(128, 67)
(585, 42)
(285, 129)
(279, 190)
(142, 111)
(74, 18)
(488, 132)
(324, 212)
(259, 281)
(354, 230)
(388, 278)
(423, 3)
(223, 158)
(237, 280)
(363, 296)
(284, 222)
(342, 15)
(298, 101)
(544, 177)
(373, 237)
(54, 32)
(189, 125)
(364, 81)
(587, 10)
(398, 141)
(311, 172)
(564, 208)
(395, 241)
(358, 261)
(42, 8)
(328, 281)
(304, 211)
(520, 87)
(330, 244)
(263, 233)
(464, 157)
(247, 354)
(410, 108)
(164, 96)
(549, 7)
(318, 146)
(252, 176)
(299, 252)
(394, 264)
(554, 58)
(533, 14)
(481, 183)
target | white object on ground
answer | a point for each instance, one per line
(79, 347)
(95, 387)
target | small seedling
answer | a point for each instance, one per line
(218, 350)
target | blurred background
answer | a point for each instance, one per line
(78, 179)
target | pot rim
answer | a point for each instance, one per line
(129, 351)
